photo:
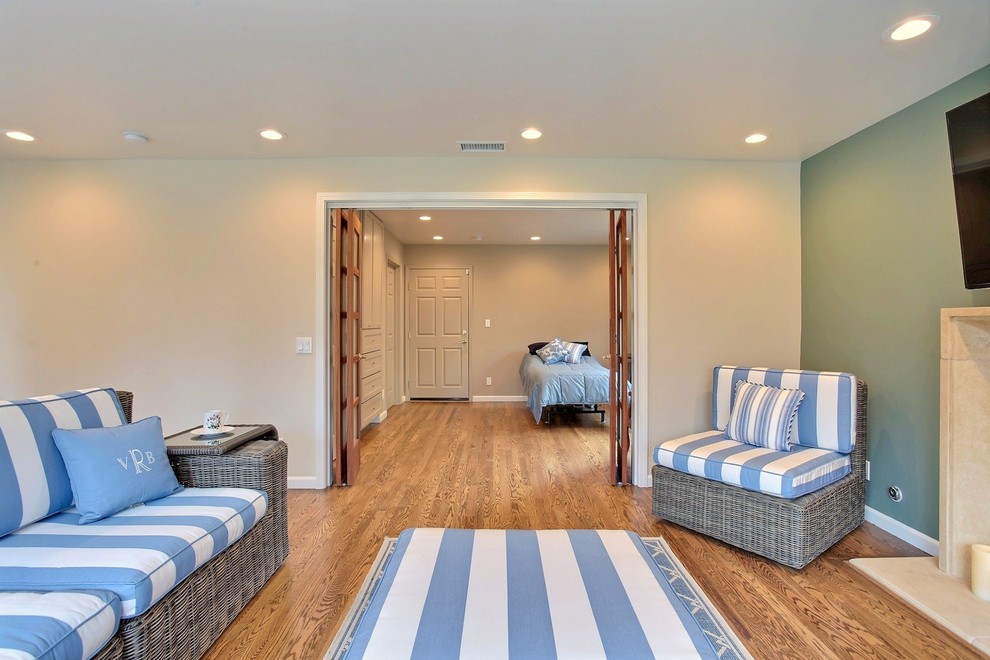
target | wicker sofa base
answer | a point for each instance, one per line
(195, 612)
(791, 532)
(112, 651)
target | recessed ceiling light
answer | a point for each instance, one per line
(271, 134)
(135, 137)
(912, 27)
(532, 133)
(534, 238)
(425, 217)
(20, 136)
(438, 238)
(756, 138)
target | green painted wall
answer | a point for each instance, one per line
(880, 258)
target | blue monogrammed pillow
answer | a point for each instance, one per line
(116, 467)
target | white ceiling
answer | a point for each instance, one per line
(498, 227)
(623, 78)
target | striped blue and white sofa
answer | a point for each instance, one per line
(172, 572)
(786, 505)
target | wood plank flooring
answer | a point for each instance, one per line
(487, 465)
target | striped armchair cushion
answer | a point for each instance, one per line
(826, 418)
(57, 625)
(33, 480)
(786, 474)
(139, 553)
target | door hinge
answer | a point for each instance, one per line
(467, 271)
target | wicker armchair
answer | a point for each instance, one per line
(788, 531)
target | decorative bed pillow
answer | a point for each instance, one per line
(540, 344)
(761, 415)
(574, 352)
(113, 468)
(553, 352)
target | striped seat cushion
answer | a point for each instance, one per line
(139, 553)
(787, 474)
(826, 418)
(56, 625)
(33, 480)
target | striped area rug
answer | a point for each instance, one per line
(689, 615)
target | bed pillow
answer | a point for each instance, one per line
(540, 344)
(575, 352)
(116, 467)
(762, 415)
(553, 352)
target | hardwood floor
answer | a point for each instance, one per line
(487, 465)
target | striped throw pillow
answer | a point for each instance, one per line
(761, 415)
(574, 352)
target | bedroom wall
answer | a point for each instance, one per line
(187, 281)
(530, 293)
(880, 259)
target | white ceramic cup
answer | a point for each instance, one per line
(215, 420)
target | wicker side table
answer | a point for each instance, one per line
(250, 457)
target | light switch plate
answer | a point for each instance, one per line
(488, 323)
(304, 344)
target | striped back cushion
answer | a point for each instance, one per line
(826, 418)
(33, 480)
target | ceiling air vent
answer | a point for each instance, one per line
(490, 146)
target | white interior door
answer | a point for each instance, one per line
(438, 333)
(390, 335)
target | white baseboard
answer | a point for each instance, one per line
(902, 531)
(304, 482)
(512, 397)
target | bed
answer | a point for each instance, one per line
(583, 385)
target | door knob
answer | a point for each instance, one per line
(464, 341)
(362, 356)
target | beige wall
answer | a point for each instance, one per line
(530, 293)
(187, 281)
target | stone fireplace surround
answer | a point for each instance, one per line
(940, 588)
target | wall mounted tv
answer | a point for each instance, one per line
(969, 146)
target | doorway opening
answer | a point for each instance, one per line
(636, 203)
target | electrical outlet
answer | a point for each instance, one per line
(488, 380)
(867, 470)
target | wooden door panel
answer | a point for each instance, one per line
(426, 372)
(451, 322)
(453, 367)
(348, 342)
(620, 343)
(426, 317)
